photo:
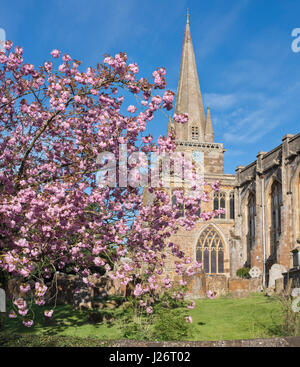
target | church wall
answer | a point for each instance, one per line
(214, 162)
(279, 165)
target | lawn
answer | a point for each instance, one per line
(222, 318)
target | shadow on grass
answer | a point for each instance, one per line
(64, 317)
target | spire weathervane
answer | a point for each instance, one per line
(187, 16)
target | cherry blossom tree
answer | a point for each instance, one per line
(55, 120)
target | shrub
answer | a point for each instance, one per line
(291, 319)
(171, 325)
(243, 273)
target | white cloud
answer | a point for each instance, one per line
(217, 27)
(219, 101)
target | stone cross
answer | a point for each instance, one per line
(2, 300)
(254, 272)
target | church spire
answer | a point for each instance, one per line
(187, 16)
(209, 132)
(189, 99)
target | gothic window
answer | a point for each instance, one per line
(195, 132)
(231, 205)
(251, 218)
(276, 200)
(219, 202)
(210, 251)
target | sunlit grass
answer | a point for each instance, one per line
(224, 318)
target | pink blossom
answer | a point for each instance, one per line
(189, 319)
(215, 185)
(66, 58)
(211, 294)
(131, 109)
(40, 289)
(20, 303)
(149, 310)
(181, 118)
(55, 53)
(39, 301)
(8, 45)
(12, 314)
(27, 323)
(138, 290)
(48, 313)
(134, 68)
(24, 288)
(98, 261)
(23, 312)
(192, 305)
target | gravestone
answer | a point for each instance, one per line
(279, 286)
(254, 272)
(2, 307)
(275, 273)
(295, 292)
(2, 300)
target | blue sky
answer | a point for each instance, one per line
(249, 76)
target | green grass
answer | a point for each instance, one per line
(231, 318)
(224, 318)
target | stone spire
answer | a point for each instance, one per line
(209, 132)
(170, 125)
(189, 99)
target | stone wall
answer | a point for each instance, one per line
(217, 284)
(199, 284)
(72, 290)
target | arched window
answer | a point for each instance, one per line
(276, 201)
(210, 251)
(251, 219)
(219, 202)
(231, 205)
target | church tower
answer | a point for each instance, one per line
(210, 242)
(197, 134)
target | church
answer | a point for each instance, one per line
(261, 226)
